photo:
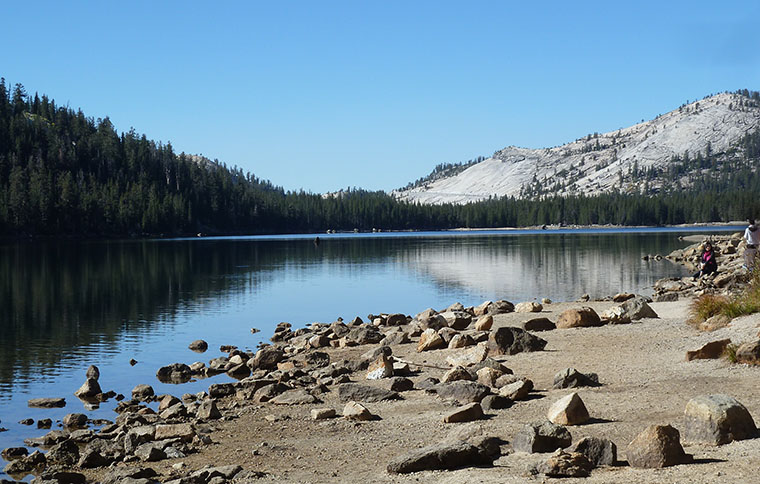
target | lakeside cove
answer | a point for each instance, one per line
(364, 400)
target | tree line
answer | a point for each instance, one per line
(63, 173)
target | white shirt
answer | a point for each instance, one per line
(752, 238)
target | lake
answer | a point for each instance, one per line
(69, 304)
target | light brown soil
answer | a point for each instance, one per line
(645, 377)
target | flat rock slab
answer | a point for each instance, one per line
(462, 391)
(364, 393)
(466, 413)
(46, 402)
(443, 456)
(717, 420)
(295, 397)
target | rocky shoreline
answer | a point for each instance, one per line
(494, 392)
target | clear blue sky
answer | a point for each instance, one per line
(322, 95)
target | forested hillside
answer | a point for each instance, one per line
(63, 173)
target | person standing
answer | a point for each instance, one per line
(752, 239)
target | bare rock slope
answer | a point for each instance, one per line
(599, 163)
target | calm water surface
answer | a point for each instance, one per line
(67, 305)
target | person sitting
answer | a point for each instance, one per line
(707, 262)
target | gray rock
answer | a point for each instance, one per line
(25, 465)
(657, 446)
(91, 459)
(510, 341)
(441, 456)
(356, 411)
(563, 464)
(495, 402)
(462, 392)
(500, 307)
(208, 410)
(89, 389)
(396, 319)
(458, 320)
(544, 437)
(58, 476)
(294, 397)
(13, 453)
(600, 452)
(637, 308)
(150, 452)
(365, 334)
(572, 378)
(364, 393)
(717, 420)
(219, 390)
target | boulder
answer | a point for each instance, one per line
(470, 357)
(364, 334)
(495, 402)
(458, 320)
(219, 390)
(199, 346)
(182, 431)
(460, 341)
(572, 378)
(396, 338)
(717, 420)
(430, 340)
(615, 315)
(93, 373)
(518, 390)
(482, 308)
(142, 392)
(538, 324)
(440, 456)
(500, 307)
(462, 391)
(396, 319)
(356, 411)
(484, 323)
(381, 367)
(544, 437)
(657, 446)
(208, 410)
(364, 393)
(568, 410)
(174, 373)
(401, 384)
(529, 307)
(487, 376)
(266, 358)
(297, 396)
(600, 452)
(150, 452)
(457, 373)
(638, 308)
(466, 413)
(322, 413)
(65, 453)
(709, 351)
(89, 389)
(748, 352)
(564, 464)
(75, 420)
(510, 341)
(578, 318)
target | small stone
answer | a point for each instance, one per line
(510, 341)
(208, 410)
(142, 392)
(469, 357)
(538, 324)
(401, 384)
(322, 413)
(457, 373)
(600, 452)
(75, 420)
(382, 367)
(430, 340)
(93, 373)
(572, 378)
(578, 318)
(544, 437)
